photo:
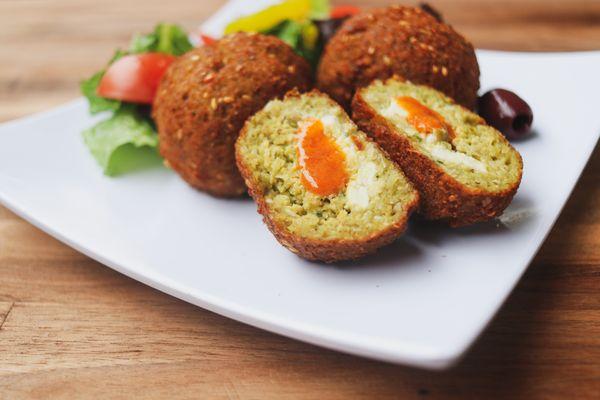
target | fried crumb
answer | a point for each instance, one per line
(359, 145)
(208, 78)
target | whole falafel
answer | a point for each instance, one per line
(206, 96)
(403, 41)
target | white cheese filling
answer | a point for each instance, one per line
(328, 121)
(394, 110)
(362, 187)
(435, 145)
(443, 154)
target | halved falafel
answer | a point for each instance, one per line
(398, 40)
(464, 169)
(206, 96)
(325, 190)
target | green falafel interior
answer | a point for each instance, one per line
(477, 155)
(376, 195)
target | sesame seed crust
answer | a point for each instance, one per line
(403, 41)
(206, 96)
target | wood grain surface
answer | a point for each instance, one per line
(72, 328)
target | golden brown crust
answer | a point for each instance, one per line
(442, 196)
(206, 96)
(328, 251)
(405, 41)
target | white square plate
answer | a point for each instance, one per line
(421, 301)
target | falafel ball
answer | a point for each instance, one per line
(403, 41)
(206, 96)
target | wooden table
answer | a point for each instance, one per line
(70, 327)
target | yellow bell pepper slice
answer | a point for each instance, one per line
(310, 35)
(271, 16)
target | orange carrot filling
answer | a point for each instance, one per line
(321, 161)
(422, 118)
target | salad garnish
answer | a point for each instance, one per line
(124, 89)
(296, 22)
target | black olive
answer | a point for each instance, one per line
(431, 11)
(507, 112)
(328, 27)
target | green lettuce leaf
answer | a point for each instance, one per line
(97, 103)
(294, 33)
(115, 142)
(89, 88)
(166, 38)
(127, 140)
(290, 32)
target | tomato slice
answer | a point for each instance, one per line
(343, 11)
(134, 78)
(207, 40)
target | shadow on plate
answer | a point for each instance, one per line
(397, 254)
(534, 134)
(519, 213)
